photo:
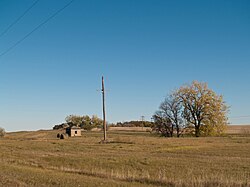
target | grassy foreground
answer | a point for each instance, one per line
(130, 159)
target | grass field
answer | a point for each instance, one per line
(129, 159)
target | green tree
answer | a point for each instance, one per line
(85, 122)
(74, 120)
(97, 122)
(203, 108)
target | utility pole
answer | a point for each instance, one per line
(103, 110)
(142, 120)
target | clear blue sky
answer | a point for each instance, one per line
(144, 49)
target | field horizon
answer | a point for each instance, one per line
(231, 128)
(130, 158)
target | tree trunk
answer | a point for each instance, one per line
(197, 131)
(172, 131)
(178, 132)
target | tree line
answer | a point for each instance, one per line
(87, 123)
(133, 124)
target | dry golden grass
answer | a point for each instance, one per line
(238, 129)
(139, 129)
(129, 159)
(231, 129)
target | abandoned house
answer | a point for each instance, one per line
(73, 131)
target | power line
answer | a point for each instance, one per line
(18, 19)
(36, 28)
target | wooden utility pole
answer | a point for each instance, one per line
(103, 110)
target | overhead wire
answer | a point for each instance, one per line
(19, 18)
(36, 28)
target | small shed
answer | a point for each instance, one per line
(73, 131)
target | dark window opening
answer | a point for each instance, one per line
(75, 132)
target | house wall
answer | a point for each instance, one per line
(73, 132)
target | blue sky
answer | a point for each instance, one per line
(144, 49)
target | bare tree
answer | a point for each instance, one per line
(162, 124)
(172, 109)
(169, 116)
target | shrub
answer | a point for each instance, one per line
(2, 132)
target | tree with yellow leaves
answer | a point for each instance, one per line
(203, 109)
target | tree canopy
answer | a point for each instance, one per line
(194, 105)
(85, 122)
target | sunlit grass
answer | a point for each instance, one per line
(128, 159)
